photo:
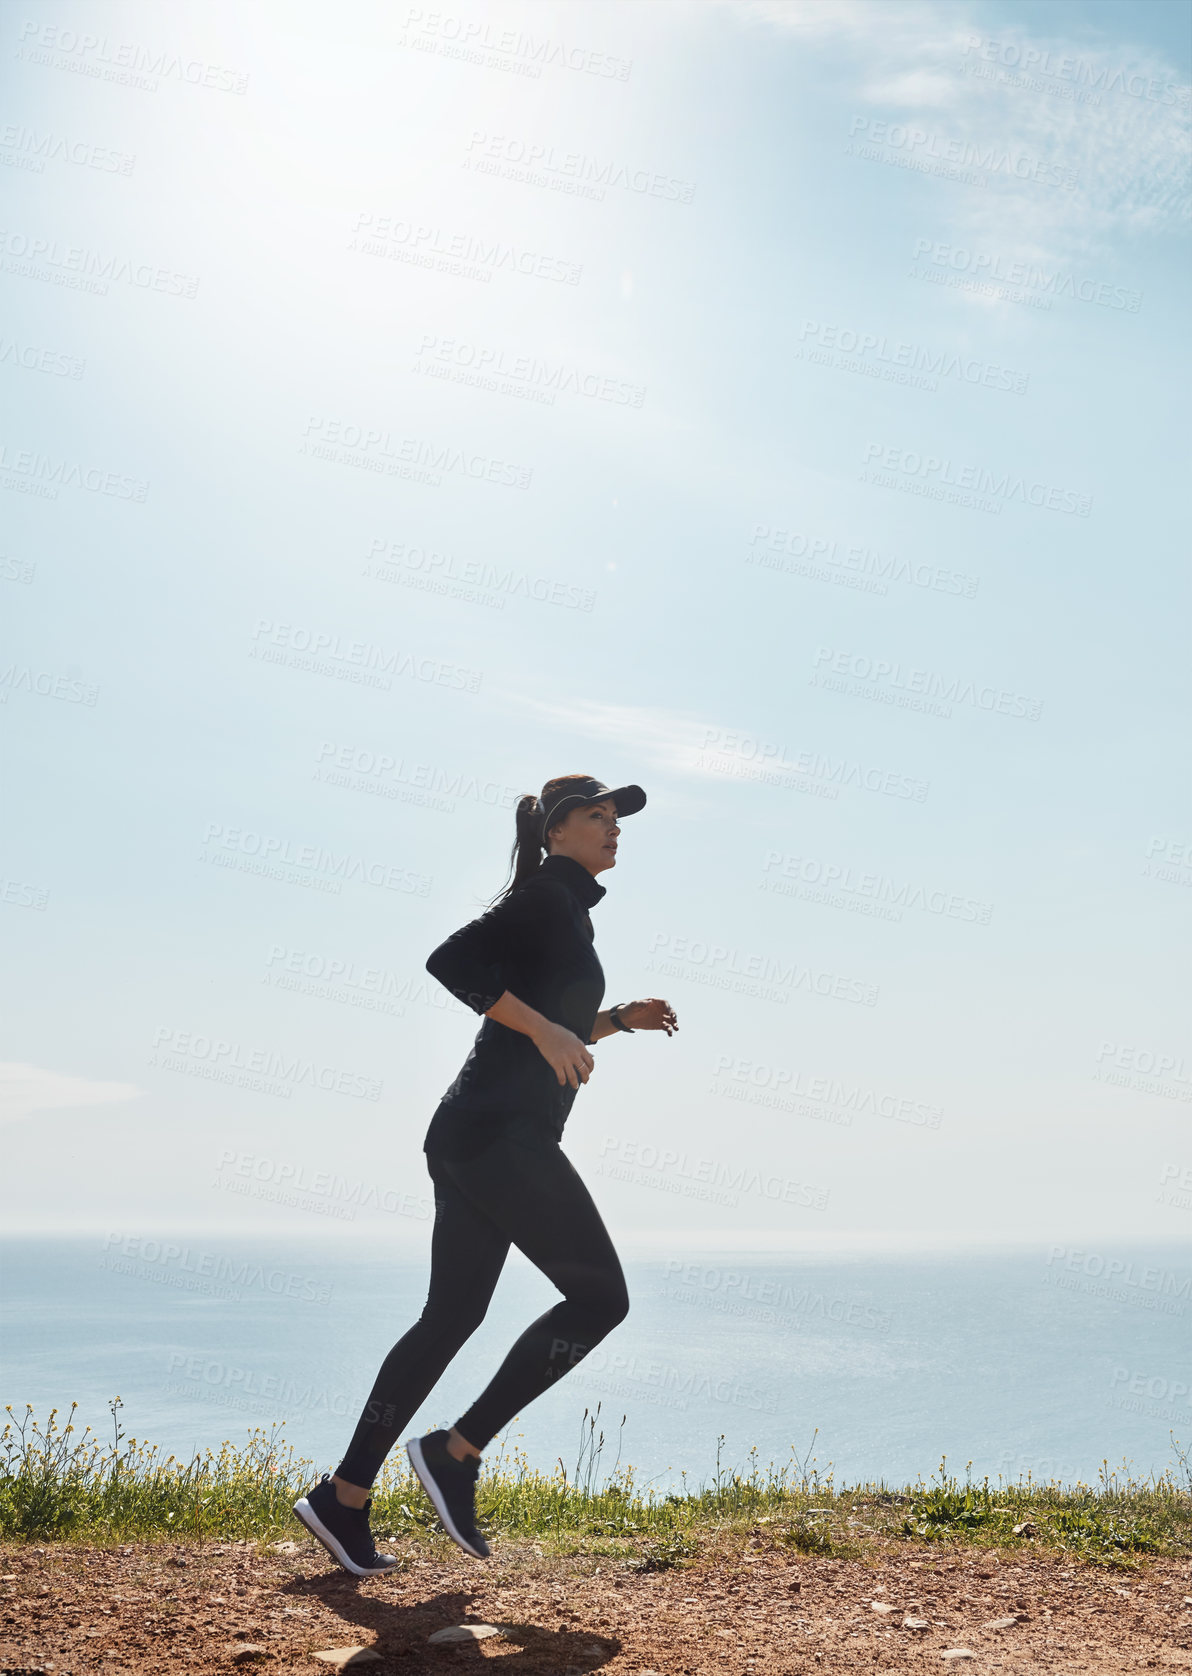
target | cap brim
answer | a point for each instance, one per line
(629, 800)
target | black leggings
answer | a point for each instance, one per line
(523, 1192)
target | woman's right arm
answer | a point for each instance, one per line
(471, 963)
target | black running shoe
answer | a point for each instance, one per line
(451, 1485)
(343, 1531)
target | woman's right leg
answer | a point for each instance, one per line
(468, 1251)
(535, 1194)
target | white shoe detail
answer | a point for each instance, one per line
(306, 1513)
(429, 1484)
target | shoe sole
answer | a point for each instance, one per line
(427, 1479)
(307, 1515)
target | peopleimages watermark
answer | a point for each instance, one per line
(214, 1274)
(352, 983)
(916, 689)
(1179, 1195)
(233, 1385)
(748, 757)
(772, 1303)
(643, 1379)
(1036, 1467)
(310, 864)
(425, 784)
(989, 274)
(66, 686)
(221, 1060)
(25, 148)
(34, 358)
(360, 662)
(1169, 860)
(282, 1181)
(863, 568)
(1156, 1395)
(874, 895)
(461, 254)
(1127, 1066)
(679, 1172)
(523, 377)
(875, 354)
(1118, 1278)
(78, 268)
(28, 470)
(1080, 75)
(927, 152)
(979, 287)
(939, 478)
(126, 62)
(573, 174)
(766, 977)
(824, 1098)
(484, 42)
(1032, 84)
(414, 458)
(480, 581)
(19, 893)
(17, 570)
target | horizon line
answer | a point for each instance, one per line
(757, 1242)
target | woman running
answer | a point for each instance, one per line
(528, 965)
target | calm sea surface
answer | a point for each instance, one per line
(1045, 1361)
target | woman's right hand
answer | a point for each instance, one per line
(566, 1055)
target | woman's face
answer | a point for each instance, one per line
(588, 834)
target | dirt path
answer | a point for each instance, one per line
(206, 1608)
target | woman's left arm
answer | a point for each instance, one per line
(638, 1015)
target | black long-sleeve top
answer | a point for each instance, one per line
(537, 943)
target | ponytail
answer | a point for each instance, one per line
(525, 858)
(529, 844)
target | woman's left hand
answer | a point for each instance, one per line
(649, 1015)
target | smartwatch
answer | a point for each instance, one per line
(614, 1018)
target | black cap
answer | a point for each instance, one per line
(628, 799)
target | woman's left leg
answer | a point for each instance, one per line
(467, 1255)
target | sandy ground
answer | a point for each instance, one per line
(204, 1607)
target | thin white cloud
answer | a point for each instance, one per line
(26, 1089)
(1114, 118)
(667, 739)
(729, 755)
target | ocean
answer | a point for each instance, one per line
(871, 1365)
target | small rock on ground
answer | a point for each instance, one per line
(465, 1632)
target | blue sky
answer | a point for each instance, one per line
(779, 406)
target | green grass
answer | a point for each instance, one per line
(1110, 1523)
(59, 1485)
